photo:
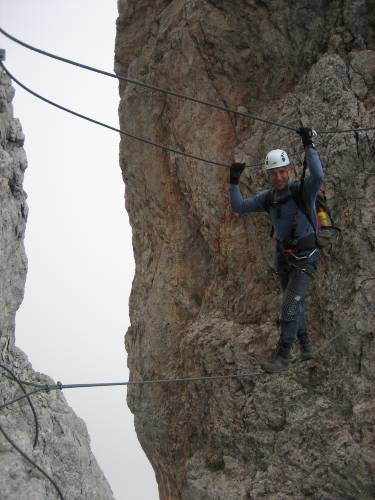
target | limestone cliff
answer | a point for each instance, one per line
(205, 298)
(63, 449)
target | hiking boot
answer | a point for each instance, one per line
(305, 347)
(280, 358)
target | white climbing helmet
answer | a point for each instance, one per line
(276, 158)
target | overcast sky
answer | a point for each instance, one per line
(78, 240)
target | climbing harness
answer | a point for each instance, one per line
(300, 257)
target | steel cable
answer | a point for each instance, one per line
(209, 378)
(122, 132)
(331, 340)
(21, 385)
(182, 380)
(26, 395)
(144, 85)
(26, 457)
(170, 92)
(345, 131)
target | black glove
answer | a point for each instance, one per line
(235, 172)
(307, 135)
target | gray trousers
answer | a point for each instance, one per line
(295, 279)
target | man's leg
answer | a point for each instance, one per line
(302, 325)
(292, 310)
(304, 337)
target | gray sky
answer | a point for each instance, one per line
(78, 240)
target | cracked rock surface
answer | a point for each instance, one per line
(205, 297)
(63, 448)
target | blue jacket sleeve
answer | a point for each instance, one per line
(313, 181)
(242, 205)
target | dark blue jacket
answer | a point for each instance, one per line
(289, 210)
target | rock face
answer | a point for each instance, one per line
(205, 297)
(63, 448)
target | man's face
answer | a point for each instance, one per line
(279, 177)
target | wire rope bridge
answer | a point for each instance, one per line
(39, 388)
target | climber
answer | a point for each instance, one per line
(296, 255)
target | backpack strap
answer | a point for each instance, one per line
(302, 179)
(297, 193)
(268, 200)
(267, 206)
(299, 200)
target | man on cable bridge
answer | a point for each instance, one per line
(293, 214)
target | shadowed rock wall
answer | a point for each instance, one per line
(205, 298)
(63, 449)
